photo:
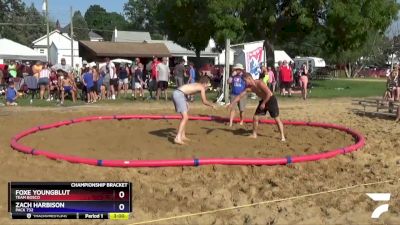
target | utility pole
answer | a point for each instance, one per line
(48, 30)
(227, 69)
(72, 39)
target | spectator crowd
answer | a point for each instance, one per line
(108, 80)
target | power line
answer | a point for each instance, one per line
(22, 24)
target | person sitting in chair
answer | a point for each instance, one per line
(67, 87)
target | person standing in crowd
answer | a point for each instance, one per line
(12, 69)
(135, 65)
(123, 78)
(44, 80)
(179, 73)
(62, 67)
(87, 80)
(36, 69)
(96, 77)
(303, 72)
(286, 78)
(397, 84)
(272, 79)
(153, 77)
(112, 73)
(238, 85)
(105, 81)
(162, 78)
(192, 78)
(26, 69)
(137, 81)
(264, 75)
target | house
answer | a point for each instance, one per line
(95, 37)
(130, 36)
(62, 42)
(62, 49)
(207, 56)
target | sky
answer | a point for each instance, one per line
(60, 9)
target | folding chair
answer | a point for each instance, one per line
(32, 84)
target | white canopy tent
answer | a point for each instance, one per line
(14, 51)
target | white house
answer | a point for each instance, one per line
(62, 43)
(62, 49)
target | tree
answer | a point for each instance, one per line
(35, 17)
(103, 22)
(21, 23)
(279, 22)
(350, 28)
(142, 15)
(192, 23)
(81, 30)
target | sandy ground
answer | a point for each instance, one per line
(167, 192)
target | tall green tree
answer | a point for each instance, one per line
(192, 23)
(81, 30)
(142, 16)
(103, 22)
(350, 28)
(35, 17)
(279, 22)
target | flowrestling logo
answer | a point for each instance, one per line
(379, 197)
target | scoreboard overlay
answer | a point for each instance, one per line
(69, 200)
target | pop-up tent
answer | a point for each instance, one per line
(15, 51)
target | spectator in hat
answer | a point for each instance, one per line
(238, 85)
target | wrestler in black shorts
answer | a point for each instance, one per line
(271, 106)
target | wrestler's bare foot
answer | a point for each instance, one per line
(241, 123)
(253, 136)
(185, 139)
(283, 139)
(179, 142)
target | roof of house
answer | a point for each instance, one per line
(37, 41)
(91, 50)
(93, 35)
(130, 36)
(177, 50)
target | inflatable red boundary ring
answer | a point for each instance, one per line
(360, 142)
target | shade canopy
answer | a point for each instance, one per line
(14, 51)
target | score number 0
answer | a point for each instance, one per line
(121, 194)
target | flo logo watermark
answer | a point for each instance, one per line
(379, 197)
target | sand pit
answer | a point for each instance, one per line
(320, 140)
(167, 192)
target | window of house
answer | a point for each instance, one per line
(41, 51)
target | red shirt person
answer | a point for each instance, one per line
(286, 76)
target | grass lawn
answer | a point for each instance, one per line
(321, 89)
(347, 88)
